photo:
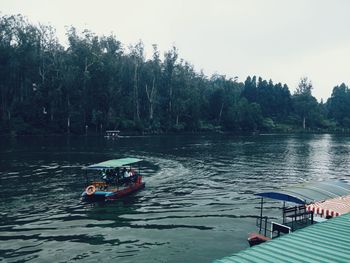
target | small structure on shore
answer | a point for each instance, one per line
(304, 198)
(112, 134)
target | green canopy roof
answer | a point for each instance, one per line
(111, 164)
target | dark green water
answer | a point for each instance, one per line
(198, 204)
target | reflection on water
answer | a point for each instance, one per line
(198, 203)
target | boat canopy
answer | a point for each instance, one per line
(111, 164)
(309, 192)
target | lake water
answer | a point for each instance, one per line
(198, 204)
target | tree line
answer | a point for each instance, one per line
(95, 84)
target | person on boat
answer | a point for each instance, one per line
(107, 176)
(125, 173)
(104, 175)
(117, 175)
(133, 175)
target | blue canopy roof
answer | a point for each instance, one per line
(309, 192)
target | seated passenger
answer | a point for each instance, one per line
(125, 173)
(117, 175)
(126, 177)
(104, 175)
(133, 175)
(107, 176)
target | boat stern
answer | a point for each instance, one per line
(96, 196)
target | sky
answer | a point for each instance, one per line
(282, 40)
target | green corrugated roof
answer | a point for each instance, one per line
(112, 164)
(328, 241)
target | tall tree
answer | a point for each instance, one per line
(151, 88)
(250, 89)
(304, 103)
(137, 54)
(339, 105)
(169, 64)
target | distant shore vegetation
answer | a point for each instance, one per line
(96, 84)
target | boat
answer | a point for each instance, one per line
(112, 134)
(112, 179)
(301, 208)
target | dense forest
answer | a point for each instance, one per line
(96, 83)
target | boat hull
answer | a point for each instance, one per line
(112, 195)
(256, 239)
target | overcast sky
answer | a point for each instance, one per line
(282, 40)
